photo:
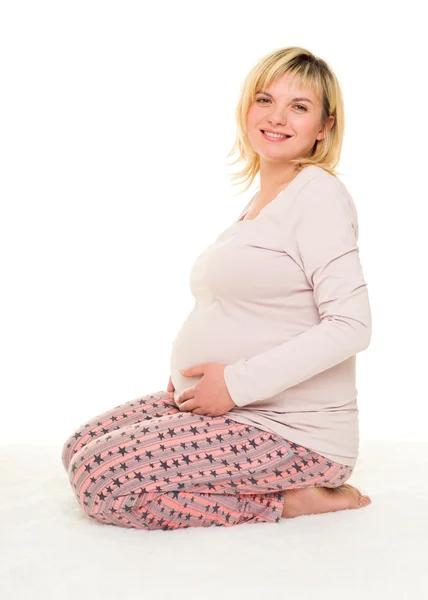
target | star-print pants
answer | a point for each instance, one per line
(147, 465)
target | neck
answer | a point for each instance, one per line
(274, 178)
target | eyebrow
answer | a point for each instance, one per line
(293, 99)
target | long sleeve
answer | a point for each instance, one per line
(325, 242)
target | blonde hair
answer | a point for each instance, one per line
(308, 71)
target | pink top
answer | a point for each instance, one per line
(281, 299)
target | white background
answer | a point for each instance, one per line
(116, 122)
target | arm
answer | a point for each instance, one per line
(326, 234)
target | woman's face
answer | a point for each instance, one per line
(289, 110)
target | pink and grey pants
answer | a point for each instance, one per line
(147, 465)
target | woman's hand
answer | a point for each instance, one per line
(210, 395)
(170, 387)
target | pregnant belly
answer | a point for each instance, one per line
(195, 344)
(214, 338)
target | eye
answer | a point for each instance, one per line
(298, 105)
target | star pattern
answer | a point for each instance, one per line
(147, 465)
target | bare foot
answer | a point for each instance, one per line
(316, 500)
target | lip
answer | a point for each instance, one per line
(275, 140)
(272, 131)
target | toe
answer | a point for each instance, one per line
(364, 501)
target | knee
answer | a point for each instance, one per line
(69, 449)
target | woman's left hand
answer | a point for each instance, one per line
(210, 395)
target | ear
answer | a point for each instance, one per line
(327, 126)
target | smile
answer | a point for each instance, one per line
(274, 137)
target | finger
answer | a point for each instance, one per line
(188, 405)
(185, 396)
(199, 411)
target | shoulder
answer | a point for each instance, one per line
(324, 201)
(319, 179)
(324, 192)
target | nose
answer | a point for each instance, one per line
(277, 120)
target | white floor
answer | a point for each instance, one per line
(50, 550)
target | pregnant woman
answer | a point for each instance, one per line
(260, 417)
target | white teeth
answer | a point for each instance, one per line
(275, 135)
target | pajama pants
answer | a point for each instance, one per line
(147, 465)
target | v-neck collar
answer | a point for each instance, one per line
(299, 179)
